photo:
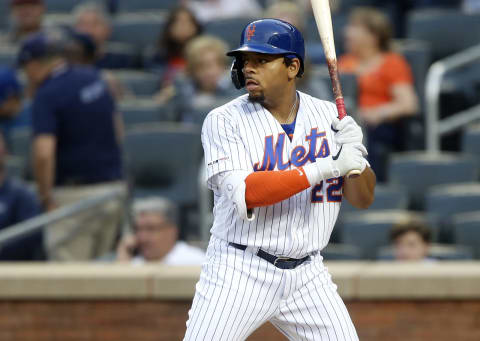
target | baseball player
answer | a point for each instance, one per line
(276, 161)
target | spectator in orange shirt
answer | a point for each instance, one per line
(385, 83)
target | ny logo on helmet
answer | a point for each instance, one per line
(250, 31)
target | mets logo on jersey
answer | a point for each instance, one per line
(250, 31)
(273, 152)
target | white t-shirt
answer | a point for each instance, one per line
(181, 254)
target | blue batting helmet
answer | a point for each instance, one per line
(269, 36)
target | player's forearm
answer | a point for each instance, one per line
(270, 187)
(360, 191)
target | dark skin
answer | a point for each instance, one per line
(272, 83)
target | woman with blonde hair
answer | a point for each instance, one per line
(385, 83)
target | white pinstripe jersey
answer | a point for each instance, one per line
(242, 135)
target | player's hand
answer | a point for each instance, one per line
(347, 130)
(349, 157)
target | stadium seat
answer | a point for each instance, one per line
(8, 55)
(418, 54)
(228, 29)
(466, 230)
(129, 6)
(61, 6)
(371, 230)
(140, 83)
(143, 111)
(440, 26)
(418, 171)
(4, 11)
(138, 30)
(471, 142)
(437, 251)
(164, 159)
(387, 197)
(341, 252)
(124, 53)
(444, 201)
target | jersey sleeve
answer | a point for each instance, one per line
(223, 147)
(44, 120)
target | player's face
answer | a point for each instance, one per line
(410, 247)
(265, 75)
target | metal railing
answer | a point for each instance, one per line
(435, 127)
(39, 222)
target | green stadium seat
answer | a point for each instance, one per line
(418, 171)
(466, 230)
(164, 159)
(370, 230)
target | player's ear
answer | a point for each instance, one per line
(293, 68)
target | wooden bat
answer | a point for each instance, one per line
(323, 18)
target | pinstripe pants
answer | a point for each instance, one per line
(239, 291)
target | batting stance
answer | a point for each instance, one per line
(276, 161)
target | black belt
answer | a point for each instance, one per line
(279, 262)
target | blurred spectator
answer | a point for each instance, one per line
(287, 11)
(13, 113)
(221, 9)
(155, 238)
(411, 241)
(206, 79)
(81, 50)
(27, 18)
(17, 203)
(168, 56)
(290, 12)
(92, 18)
(76, 145)
(385, 84)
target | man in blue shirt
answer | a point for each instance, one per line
(18, 203)
(76, 142)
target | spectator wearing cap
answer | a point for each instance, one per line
(27, 18)
(76, 144)
(92, 18)
(155, 237)
(14, 114)
(18, 203)
(206, 80)
(81, 49)
(411, 241)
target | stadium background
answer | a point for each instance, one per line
(434, 180)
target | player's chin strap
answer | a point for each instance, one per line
(233, 185)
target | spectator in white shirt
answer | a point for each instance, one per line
(155, 237)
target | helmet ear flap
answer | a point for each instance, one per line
(236, 73)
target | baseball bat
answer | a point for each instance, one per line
(323, 18)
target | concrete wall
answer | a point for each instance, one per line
(387, 301)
